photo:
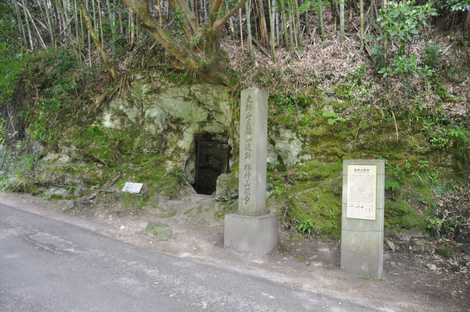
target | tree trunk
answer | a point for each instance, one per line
(466, 28)
(272, 17)
(341, 20)
(321, 20)
(249, 38)
(263, 27)
(99, 46)
(362, 22)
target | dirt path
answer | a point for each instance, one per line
(411, 281)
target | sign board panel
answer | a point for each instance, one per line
(362, 192)
(132, 187)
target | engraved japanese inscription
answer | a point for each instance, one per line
(247, 151)
(253, 147)
(361, 192)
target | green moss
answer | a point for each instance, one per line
(312, 197)
(415, 170)
(445, 250)
(133, 202)
(400, 215)
(159, 230)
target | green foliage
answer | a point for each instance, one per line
(57, 78)
(447, 136)
(305, 227)
(402, 21)
(400, 215)
(309, 5)
(104, 145)
(8, 30)
(312, 197)
(331, 131)
(40, 129)
(11, 65)
(458, 5)
(332, 117)
(401, 65)
(399, 22)
(127, 152)
(432, 55)
(445, 250)
(21, 177)
(441, 224)
(159, 231)
(3, 131)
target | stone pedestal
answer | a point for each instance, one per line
(253, 229)
(362, 230)
(257, 235)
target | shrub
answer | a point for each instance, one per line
(399, 22)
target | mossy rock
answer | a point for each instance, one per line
(227, 187)
(160, 231)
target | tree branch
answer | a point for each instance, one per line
(214, 10)
(188, 15)
(218, 24)
(182, 54)
(96, 40)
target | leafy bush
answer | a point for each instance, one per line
(458, 5)
(11, 65)
(402, 65)
(432, 55)
(399, 22)
(11, 58)
(305, 226)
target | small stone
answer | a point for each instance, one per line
(37, 148)
(69, 205)
(390, 245)
(57, 192)
(431, 266)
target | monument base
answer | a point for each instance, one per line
(362, 253)
(255, 235)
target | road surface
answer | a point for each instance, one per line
(47, 265)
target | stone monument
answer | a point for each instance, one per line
(253, 229)
(362, 230)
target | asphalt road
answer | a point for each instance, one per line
(46, 265)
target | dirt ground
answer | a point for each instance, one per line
(420, 274)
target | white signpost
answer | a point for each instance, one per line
(362, 230)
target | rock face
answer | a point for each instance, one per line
(288, 146)
(174, 114)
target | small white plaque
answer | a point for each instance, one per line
(362, 192)
(132, 187)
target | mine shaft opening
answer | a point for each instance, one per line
(212, 159)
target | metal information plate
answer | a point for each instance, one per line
(362, 192)
(132, 187)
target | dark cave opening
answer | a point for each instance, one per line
(212, 159)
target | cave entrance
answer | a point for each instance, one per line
(212, 156)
